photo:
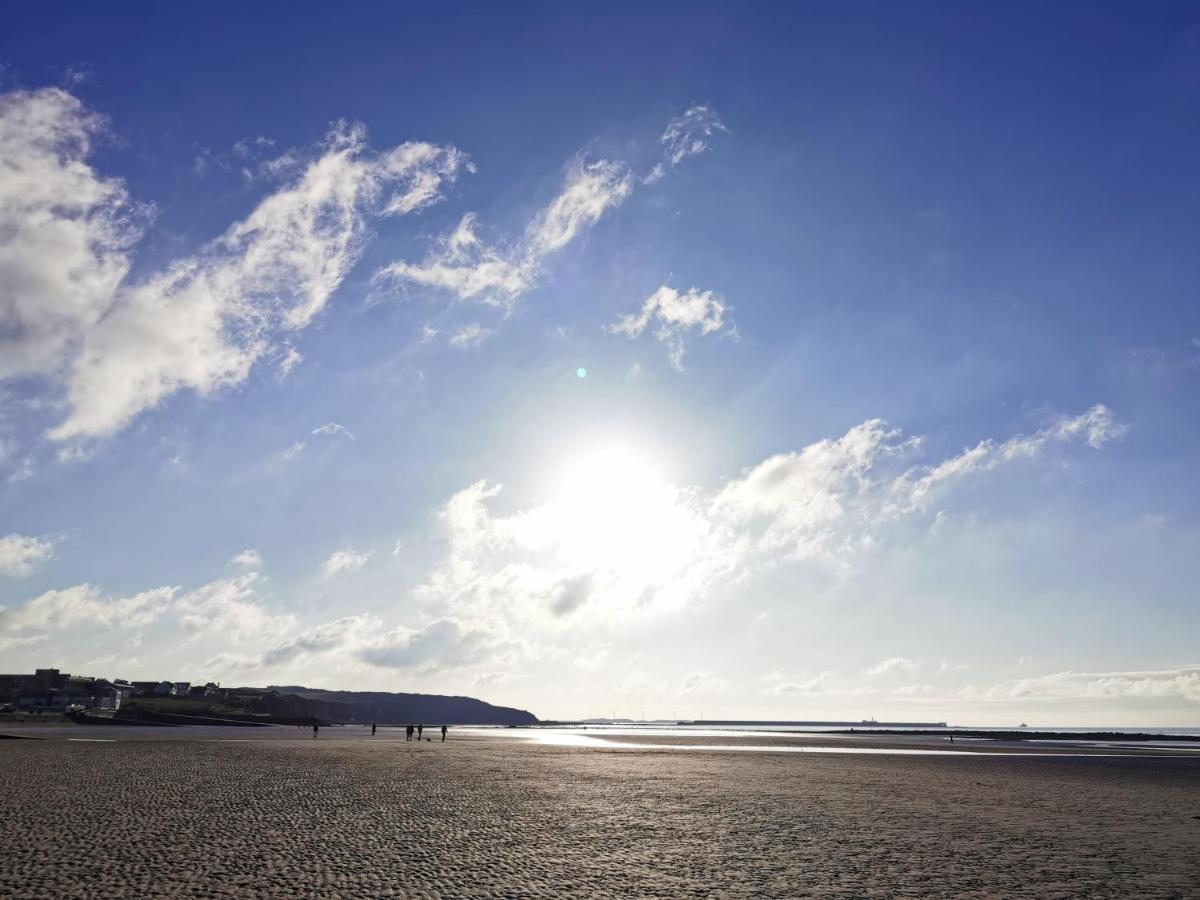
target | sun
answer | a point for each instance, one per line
(614, 512)
(610, 481)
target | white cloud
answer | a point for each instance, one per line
(593, 658)
(689, 134)
(833, 495)
(293, 451)
(945, 666)
(462, 264)
(68, 313)
(912, 690)
(591, 189)
(704, 683)
(1171, 684)
(894, 664)
(821, 501)
(66, 230)
(471, 335)
(444, 643)
(21, 554)
(579, 556)
(465, 266)
(811, 685)
(641, 684)
(686, 135)
(16, 643)
(1096, 425)
(322, 638)
(702, 312)
(495, 679)
(83, 604)
(249, 559)
(614, 543)
(332, 429)
(229, 607)
(289, 360)
(228, 610)
(344, 562)
(613, 547)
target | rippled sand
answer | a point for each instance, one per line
(490, 816)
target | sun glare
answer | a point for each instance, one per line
(614, 511)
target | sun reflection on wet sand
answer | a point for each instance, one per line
(562, 737)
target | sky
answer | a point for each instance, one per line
(795, 361)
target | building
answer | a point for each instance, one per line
(41, 689)
(52, 689)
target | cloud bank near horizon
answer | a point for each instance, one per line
(509, 588)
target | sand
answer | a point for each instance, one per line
(350, 816)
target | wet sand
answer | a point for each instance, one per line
(491, 814)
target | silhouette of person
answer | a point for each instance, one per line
(372, 729)
(443, 734)
(420, 728)
(408, 730)
(316, 728)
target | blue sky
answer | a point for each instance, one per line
(292, 307)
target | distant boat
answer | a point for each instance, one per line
(1022, 725)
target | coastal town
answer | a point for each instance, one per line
(52, 691)
(48, 692)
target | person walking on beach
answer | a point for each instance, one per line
(443, 734)
(408, 730)
(420, 728)
(372, 729)
(316, 728)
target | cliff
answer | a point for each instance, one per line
(383, 707)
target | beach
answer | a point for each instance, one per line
(237, 813)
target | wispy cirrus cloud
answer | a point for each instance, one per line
(686, 135)
(676, 315)
(467, 336)
(333, 429)
(460, 263)
(1096, 426)
(464, 265)
(69, 314)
